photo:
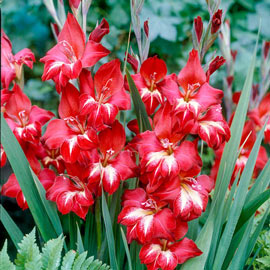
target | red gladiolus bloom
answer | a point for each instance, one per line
(24, 119)
(212, 127)
(160, 152)
(188, 195)
(11, 65)
(152, 81)
(52, 157)
(195, 93)
(71, 133)
(103, 103)
(12, 189)
(67, 58)
(161, 254)
(147, 219)
(70, 195)
(111, 165)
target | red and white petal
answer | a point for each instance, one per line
(110, 179)
(70, 150)
(88, 140)
(131, 215)
(150, 252)
(184, 250)
(167, 260)
(145, 228)
(190, 203)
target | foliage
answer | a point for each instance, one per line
(29, 256)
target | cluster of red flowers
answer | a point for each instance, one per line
(85, 150)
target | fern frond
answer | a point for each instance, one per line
(79, 261)
(5, 263)
(68, 260)
(51, 253)
(28, 257)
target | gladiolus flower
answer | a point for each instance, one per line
(111, 165)
(24, 119)
(11, 65)
(67, 58)
(195, 94)
(152, 81)
(212, 127)
(146, 218)
(12, 189)
(102, 104)
(161, 254)
(71, 133)
(70, 195)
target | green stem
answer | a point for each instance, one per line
(72, 231)
(98, 224)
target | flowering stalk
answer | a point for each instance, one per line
(230, 56)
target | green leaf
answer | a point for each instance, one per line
(28, 256)
(238, 204)
(261, 183)
(14, 232)
(49, 206)
(139, 107)
(5, 263)
(26, 182)
(256, 233)
(126, 248)
(109, 232)
(264, 260)
(68, 260)
(80, 247)
(51, 253)
(238, 261)
(226, 167)
(250, 209)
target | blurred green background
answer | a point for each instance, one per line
(27, 24)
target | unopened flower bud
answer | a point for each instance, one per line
(266, 47)
(100, 31)
(214, 65)
(133, 62)
(233, 54)
(216, 21)
(146, 28)
(198, 25)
